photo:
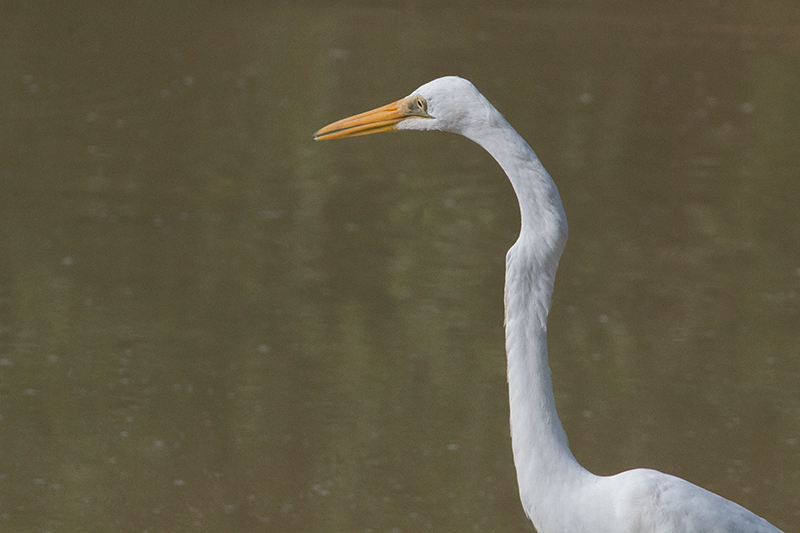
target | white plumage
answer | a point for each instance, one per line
(557, 493)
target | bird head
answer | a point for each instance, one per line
(445, 104)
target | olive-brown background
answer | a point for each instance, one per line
(209, 322)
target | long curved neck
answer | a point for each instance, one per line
(542, 457)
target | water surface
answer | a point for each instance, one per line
(210, 322)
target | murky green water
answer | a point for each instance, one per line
(209, 322)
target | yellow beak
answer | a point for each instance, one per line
(378, 120)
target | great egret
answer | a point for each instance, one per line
(557, 493)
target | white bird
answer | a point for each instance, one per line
(557, 493)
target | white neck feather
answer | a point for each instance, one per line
(545, 466)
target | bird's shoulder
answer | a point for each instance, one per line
(656, 502)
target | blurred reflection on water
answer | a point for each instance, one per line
(209, 322)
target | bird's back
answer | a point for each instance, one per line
(653, 502)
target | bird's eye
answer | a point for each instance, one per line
(417, 106)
